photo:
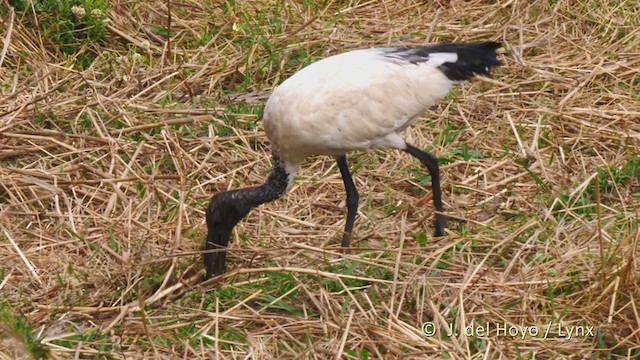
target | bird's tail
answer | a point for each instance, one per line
(472, 59)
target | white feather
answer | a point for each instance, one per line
(441, 58)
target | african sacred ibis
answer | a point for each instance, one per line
(358, 100)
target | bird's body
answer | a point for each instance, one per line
(359, 100)
(355, 101)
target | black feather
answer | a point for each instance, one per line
(473, 59)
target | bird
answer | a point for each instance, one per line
(359, 100)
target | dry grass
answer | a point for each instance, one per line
(105, 173)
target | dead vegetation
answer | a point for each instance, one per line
(109, 154)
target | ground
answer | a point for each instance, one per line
(120, 119)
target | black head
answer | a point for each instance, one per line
(228, 208)
(224, 212)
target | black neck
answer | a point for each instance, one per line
(228, 208)
(272, 189)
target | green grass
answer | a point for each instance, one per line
(463, 153)
(239, 116)
(100, 342)
(17, 326)
(610, 179)
(70, 26)
(362, 354)
(389, 206)
(151, 281)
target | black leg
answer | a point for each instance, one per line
(352, 200)
(431, 162)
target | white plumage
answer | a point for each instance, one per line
(355, 101)
(359, 100)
